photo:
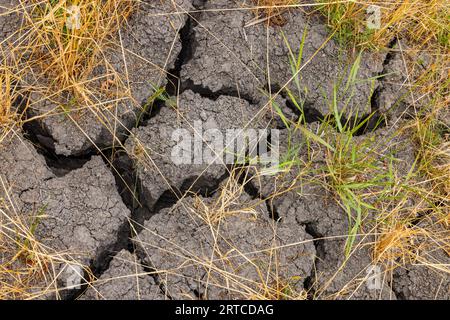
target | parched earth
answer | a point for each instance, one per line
(149, 228)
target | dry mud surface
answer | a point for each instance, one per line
(142, 224)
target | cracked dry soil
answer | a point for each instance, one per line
(120, 214)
